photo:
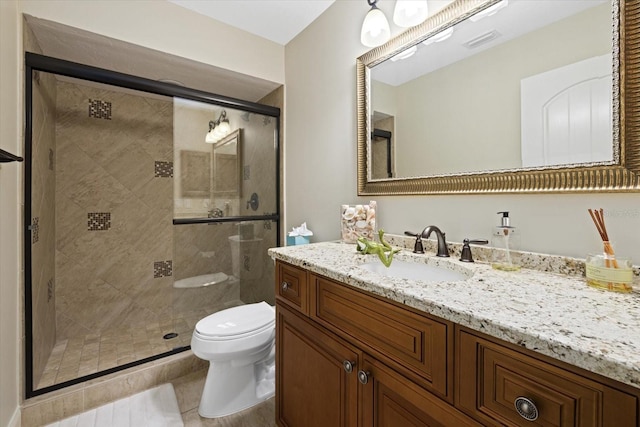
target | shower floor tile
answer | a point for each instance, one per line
(75, 357)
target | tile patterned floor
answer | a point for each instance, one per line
(84, 355)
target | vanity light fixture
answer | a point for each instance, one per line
(375, 28)
(489, 11)
(409, 13)
(218, 128)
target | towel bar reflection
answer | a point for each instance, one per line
(6, 157)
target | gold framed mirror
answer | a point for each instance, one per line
(618, 170)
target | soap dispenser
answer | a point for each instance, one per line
(505, 240)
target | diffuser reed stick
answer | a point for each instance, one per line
(598, 219)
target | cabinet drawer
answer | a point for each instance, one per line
(292, 287)
(411, 343)
(491, 378)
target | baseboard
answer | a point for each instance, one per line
(15, 419)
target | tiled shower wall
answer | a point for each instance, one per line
(114, 209)
(43, 220)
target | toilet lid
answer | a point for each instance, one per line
(236, 320)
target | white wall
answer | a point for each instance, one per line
(144, 23)
(10, 199)
(320, 161)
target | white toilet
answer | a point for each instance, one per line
(239, 344)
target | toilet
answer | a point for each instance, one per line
(239, 344)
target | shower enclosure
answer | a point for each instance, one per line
(136, 225)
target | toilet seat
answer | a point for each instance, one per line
(236, 322)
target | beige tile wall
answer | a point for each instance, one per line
(43, 221)
(106, 164)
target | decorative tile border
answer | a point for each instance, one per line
(162, 269)
(99, 109)
(246, 172)
(35, 230)
(99, 221)
(164, 169)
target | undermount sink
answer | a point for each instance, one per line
(415, 271)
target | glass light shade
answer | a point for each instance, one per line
(405, 54)
(440, 37)
(375, 28)
(224, 127)
(490, 11)
(409, 13)
(210, 139)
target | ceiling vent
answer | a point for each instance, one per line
(482, 39)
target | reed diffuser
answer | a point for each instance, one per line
(606, 271)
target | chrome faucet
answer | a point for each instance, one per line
(216, 213)
(443, 251)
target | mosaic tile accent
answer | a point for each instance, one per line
(246, 262)
(50, 289)
(99, 221)
(35, 230)
(246, 172)
(99, 109)
(162, 269)
(164, 169)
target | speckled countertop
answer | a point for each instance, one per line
(554, 314)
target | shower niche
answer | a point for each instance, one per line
(136, 223)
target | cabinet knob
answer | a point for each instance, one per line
(526, 408)
(348, 366)
(285, 286)
(363, 377)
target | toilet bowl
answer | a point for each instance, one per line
(239, 344)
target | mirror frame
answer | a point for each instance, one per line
(216, 190)
(620, 175)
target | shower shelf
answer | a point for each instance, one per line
(201, 281)
(6, 157)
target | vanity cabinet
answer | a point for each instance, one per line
(345, 357)
(500, 385)
(352, 359)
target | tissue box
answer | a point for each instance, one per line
(298, 240)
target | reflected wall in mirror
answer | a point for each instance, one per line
(227, 164)
(195, 173)
(528, 98)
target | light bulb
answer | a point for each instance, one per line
(375, 28)
(409, 13)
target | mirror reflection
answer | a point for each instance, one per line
(527, 85)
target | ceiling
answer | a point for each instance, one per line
(276, 20)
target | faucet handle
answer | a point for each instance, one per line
(466, 256)
(417, 248)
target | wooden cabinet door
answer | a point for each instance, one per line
(387, 399)
(313, 388)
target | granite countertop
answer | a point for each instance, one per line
(554, 314)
